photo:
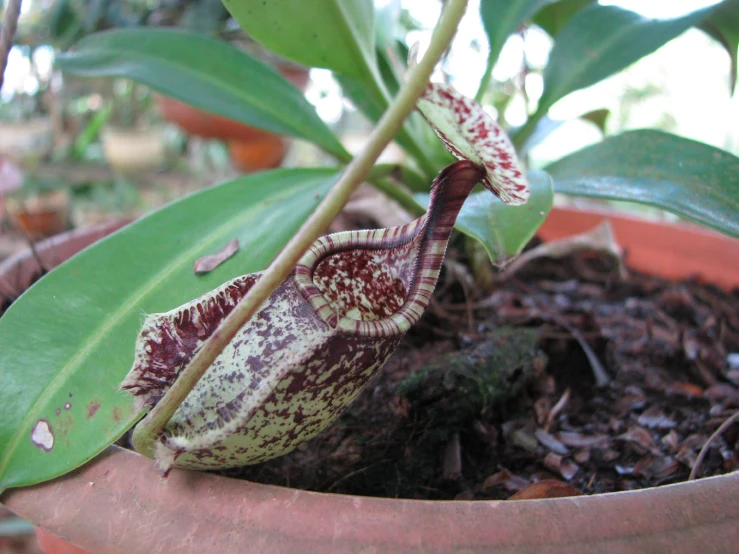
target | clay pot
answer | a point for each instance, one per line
(117, 503)
(41, 215)
(250, 149)
(19, 271)
(134, 151)
(27, 140)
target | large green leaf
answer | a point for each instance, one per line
(69, 341)
(553, 17)
(601, 40)
(691, 179)
(206, 73)
(335, 34)
(723, 25)
(501, 229)
(502, 18)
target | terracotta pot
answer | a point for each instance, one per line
(264, 151)
(19, 271)
(673, 251)
(251, 149)
(41, 215)
(118, 504)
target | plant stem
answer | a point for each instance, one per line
(150, 428)
(379, 90)
(10, 23)
(485, 81)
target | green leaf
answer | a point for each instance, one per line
(335, 34)
(553, 17)
(502, 18)
(601, 40)
(691, 179)
(206, 73)
(501, 229)
(723, 25)
(69, 341)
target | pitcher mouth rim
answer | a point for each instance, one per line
(373, 239)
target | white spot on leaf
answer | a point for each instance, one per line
(42, 436)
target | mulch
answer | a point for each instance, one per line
(564, 379)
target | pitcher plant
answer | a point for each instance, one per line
(328, 328)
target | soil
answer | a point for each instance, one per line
(489, 396)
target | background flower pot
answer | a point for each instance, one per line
(672, 251)
(39, 215)
(19, 271)
(27, 140)
(117, 503)
(134, 151)
(250, 149)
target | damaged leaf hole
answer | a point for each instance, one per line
(42, 435)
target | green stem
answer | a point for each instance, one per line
(150, 428)
(377, 85)
(485, 82)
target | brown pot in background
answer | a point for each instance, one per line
(672, 251)
(40, 215)
(250, 149)
(118, 504)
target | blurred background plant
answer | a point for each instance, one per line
(104, 138)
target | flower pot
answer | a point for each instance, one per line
(27, 140)
(40, 215)
(19, 271)
(118, 503)
(250, 149)
(134, 151)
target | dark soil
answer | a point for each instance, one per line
(487, 396)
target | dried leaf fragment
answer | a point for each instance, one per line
(208, 263)
(549, 488)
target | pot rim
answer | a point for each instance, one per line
(201, 512)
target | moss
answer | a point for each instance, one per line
(467, 385)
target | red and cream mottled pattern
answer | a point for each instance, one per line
(471, 134)
(294, 367)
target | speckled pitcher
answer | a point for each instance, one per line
(317, 342)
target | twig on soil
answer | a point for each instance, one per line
(599, 372)
(558, 407)
(350, 475)
(717, 433)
